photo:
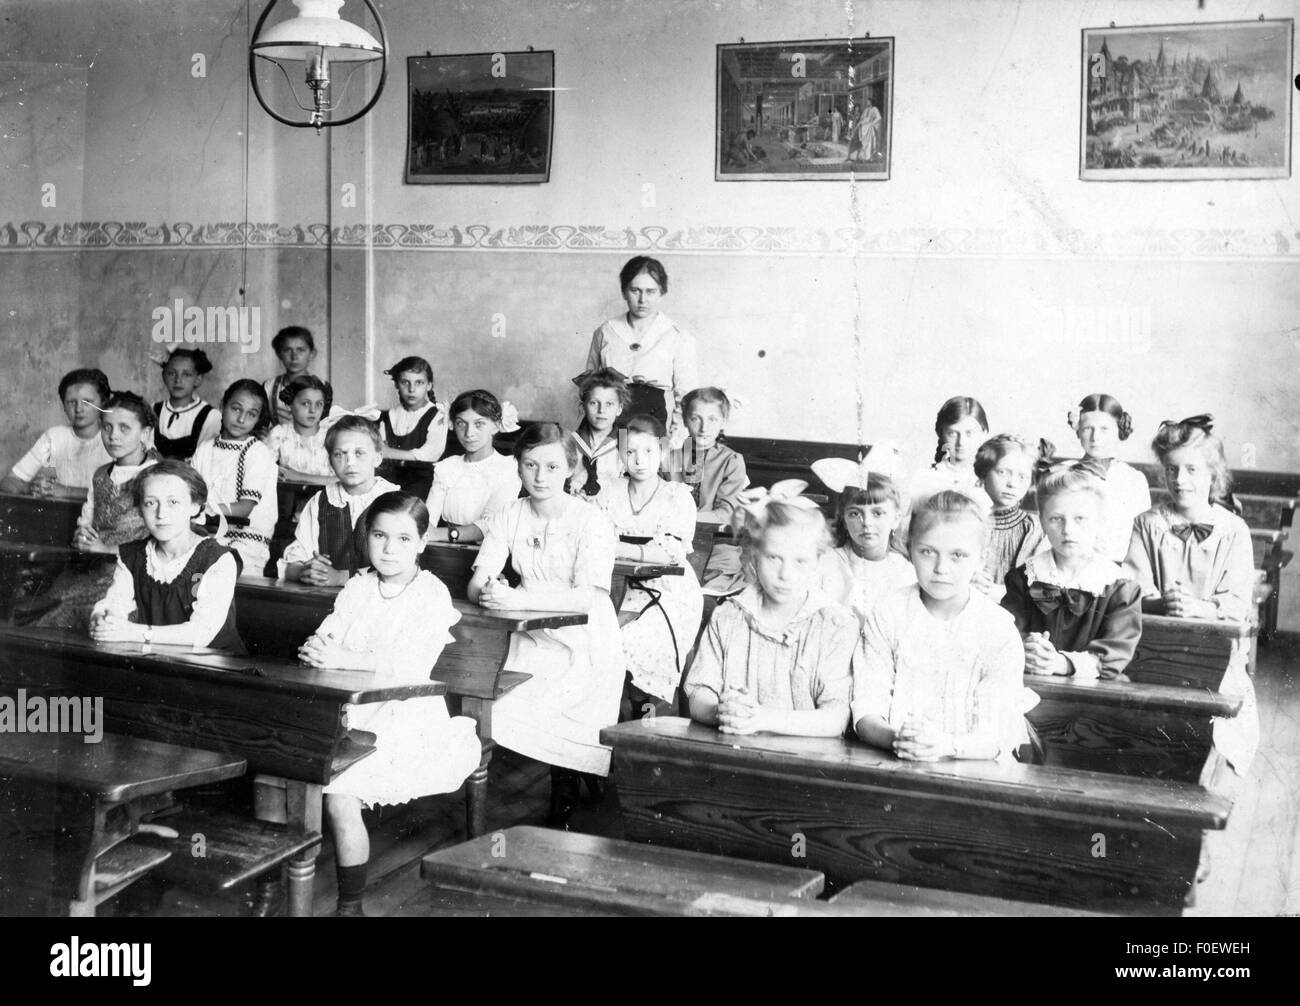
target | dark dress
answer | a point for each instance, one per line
(173, 603)
(179, 448)
(1107, 624)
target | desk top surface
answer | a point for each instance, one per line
(622, 567)
(116, 768)
(1135, 695)
(837, 760)
(471, 615)
(268, 674)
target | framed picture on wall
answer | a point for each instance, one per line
(793, 111)
(484, 118)
(1187, 101)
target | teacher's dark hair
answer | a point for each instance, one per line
(651, 267)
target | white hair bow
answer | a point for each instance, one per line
(838, 474)
(509, 418)
(756, 499)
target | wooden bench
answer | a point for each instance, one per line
(1126, 727)
(1058, 836)
(69, 812)
(284, 718)
(275, 617)
(216, 850)
(540, 871)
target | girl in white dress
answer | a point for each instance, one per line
(1101, 424)
(563, 550)
(393, 620)
(867, 560)
(240, 473)
(655, 520)
(64, 458)
(299, 445)
(938, 672)
(468, 488)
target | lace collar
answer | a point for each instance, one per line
(1095, 577)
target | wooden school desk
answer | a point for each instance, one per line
(1059, 836)
(37, 520)
(284, 718)
(1127, 727)
(68, 810)
(1187, 652)
(276, 616)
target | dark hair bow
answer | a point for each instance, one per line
(607, 371)
(1049, 598)
(1204, 421)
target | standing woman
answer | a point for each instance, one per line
(647, 344)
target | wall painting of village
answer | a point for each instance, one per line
(805, 110)
(485, 117)
(1171, 102)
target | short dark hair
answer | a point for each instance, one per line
(267, 414)
(353, 424)
(646, 424)
(410, 364)
(133, 403)
(292, 332)
(302, 382)
(169, 466)
(483, 402)
(543, 435)
(202, 364)
(86, 375)
(634, 267)
(398, 502)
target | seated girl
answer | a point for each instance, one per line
(64, 458)
(325, 549)
(563, 551)
(867, 560)
(1192, 558)
(938, 673)
(392, 620)
(1079, 613)
(604, 397)
(177, 586)
(184, 420)
(240, 474)
(299, 445)
(655, 521)
(109, 518)
(1006, 466)
(716, 477)
(469, 488)
(777, 657)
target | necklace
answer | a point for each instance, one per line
(401, 590)
(636, 511)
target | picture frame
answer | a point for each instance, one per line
(1187, 102)
(480, 118)
(811, 110)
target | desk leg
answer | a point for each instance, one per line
(476, 795)
(304, 811)
(480, 710)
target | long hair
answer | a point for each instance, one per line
(954, 410)
(1198, 432)
(879, 489)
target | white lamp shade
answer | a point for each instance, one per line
(317, 27)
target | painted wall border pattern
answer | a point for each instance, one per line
(1178, 243)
